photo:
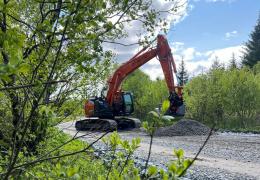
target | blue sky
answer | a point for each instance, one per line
(207, 23)
(210, 30)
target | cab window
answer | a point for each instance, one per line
(128, 103)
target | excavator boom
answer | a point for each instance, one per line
(163, 51)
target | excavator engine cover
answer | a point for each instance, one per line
(98, 107)
(89, 108)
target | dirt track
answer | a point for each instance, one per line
(226, 156)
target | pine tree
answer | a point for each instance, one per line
(233, 62)
(252, 49)
(216, 64)
(182, 74)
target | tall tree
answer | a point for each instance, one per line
(252, 49)
(216, 64)
(182, 73)
(233, 62)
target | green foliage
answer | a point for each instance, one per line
(79, 166)
(217, 65)
(182, 74)
(256, 68)
(148, 94)
(174, 168)
(120, 164)
(165, 106)
(116, 163)
(229, 98)
(233, 62)
(252, 50)
(157, 118)
(69, 111)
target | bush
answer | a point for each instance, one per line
(230, 98)
(79, 166)
(148, 94)
(116, 161)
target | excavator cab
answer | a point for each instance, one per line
(123, 103)
(128, 104)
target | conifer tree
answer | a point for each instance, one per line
(182, 74)
(217, 64)
(233, 62)
(252, 49)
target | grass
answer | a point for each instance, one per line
(254, 130)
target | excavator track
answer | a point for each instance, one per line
(127, 123)
(98, 124)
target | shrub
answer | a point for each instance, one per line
(230, 98)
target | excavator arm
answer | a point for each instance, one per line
(163, 52)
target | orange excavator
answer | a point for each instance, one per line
(112, 110)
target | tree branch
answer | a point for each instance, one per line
(122, 44)
(198, 153)
(61, 156)
(30, 85)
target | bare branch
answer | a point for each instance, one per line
(198, 153)
(122, 44)
(64, 155)
(30, 85)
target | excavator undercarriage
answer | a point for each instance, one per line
(99, 124)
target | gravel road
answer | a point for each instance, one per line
(226, 155)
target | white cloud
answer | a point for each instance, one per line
(196, 62)
(224, 55)
(153, 71)
(153, 62)
(229, 1)
(134, 29)
(189, 53)
(214, 1)
(231, 34)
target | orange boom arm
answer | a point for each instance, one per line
(164, 54)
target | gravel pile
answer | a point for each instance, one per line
(184, 127)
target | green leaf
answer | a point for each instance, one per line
(24, 68)
(165, 177)
(76, 176)
(172, 167)
(179, 153)
(152, 170)
(167, 118)
(109, 25)
(165, 106)
(179, 171)
(186, 163)
(3, 144)
(72, 171)
(145, 125)
(155, 114)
